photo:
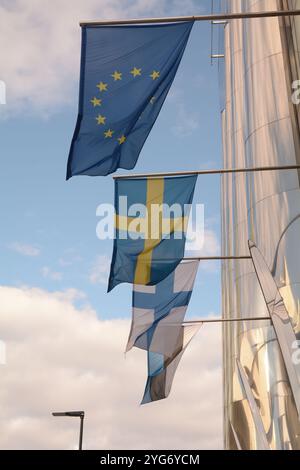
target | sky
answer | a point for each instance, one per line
(64, 335)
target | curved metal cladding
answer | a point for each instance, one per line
(259, 129)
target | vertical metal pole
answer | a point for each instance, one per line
(211, 34)
(81, 431)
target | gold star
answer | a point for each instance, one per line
(152, 100)
(117, 76)
(102, 86)
(122, 139)
(96, 102)
(136, 72)
(154, 75)
(100, 119)
(108, 134)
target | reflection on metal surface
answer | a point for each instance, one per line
(259, 129)
(262, 442)
(267, 378)
(238, 445)
(280, 318)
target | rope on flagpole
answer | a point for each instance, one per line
(176, 19)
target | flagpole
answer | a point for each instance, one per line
(216, 258)
(220, 171)
(220, 320)
(175, 19)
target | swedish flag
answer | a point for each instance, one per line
(126, 73)
(151, 223)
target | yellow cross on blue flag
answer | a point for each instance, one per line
(151, 222)
(126, 73)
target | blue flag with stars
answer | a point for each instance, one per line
(151, 222)
(126, 73)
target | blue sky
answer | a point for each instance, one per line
(54, 270)
(48, 236)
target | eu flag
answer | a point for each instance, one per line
(126, 73)
(151, 223)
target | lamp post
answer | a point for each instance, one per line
(74, 414)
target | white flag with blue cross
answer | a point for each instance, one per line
(157, 316)
(164, 304)
(162, 368)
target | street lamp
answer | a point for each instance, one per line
(74, 414)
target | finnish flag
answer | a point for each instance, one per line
(157, 316)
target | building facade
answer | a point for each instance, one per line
(260, 128)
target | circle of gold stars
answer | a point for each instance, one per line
(103, 87)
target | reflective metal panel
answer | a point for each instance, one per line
(280, 320)
(262, 441)
(259, 129)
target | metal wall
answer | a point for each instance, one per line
(259, 129)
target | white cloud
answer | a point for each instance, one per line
(40, 46)
(52, 275)
(69, 258)
(205, 243)
(100, 270)
(211, 243)
(69, 295)
(60, 357)
(25, 249)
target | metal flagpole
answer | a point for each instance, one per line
(175, 19)
(81, 431)
(220, 320)
(221, 171)
(216, 258)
